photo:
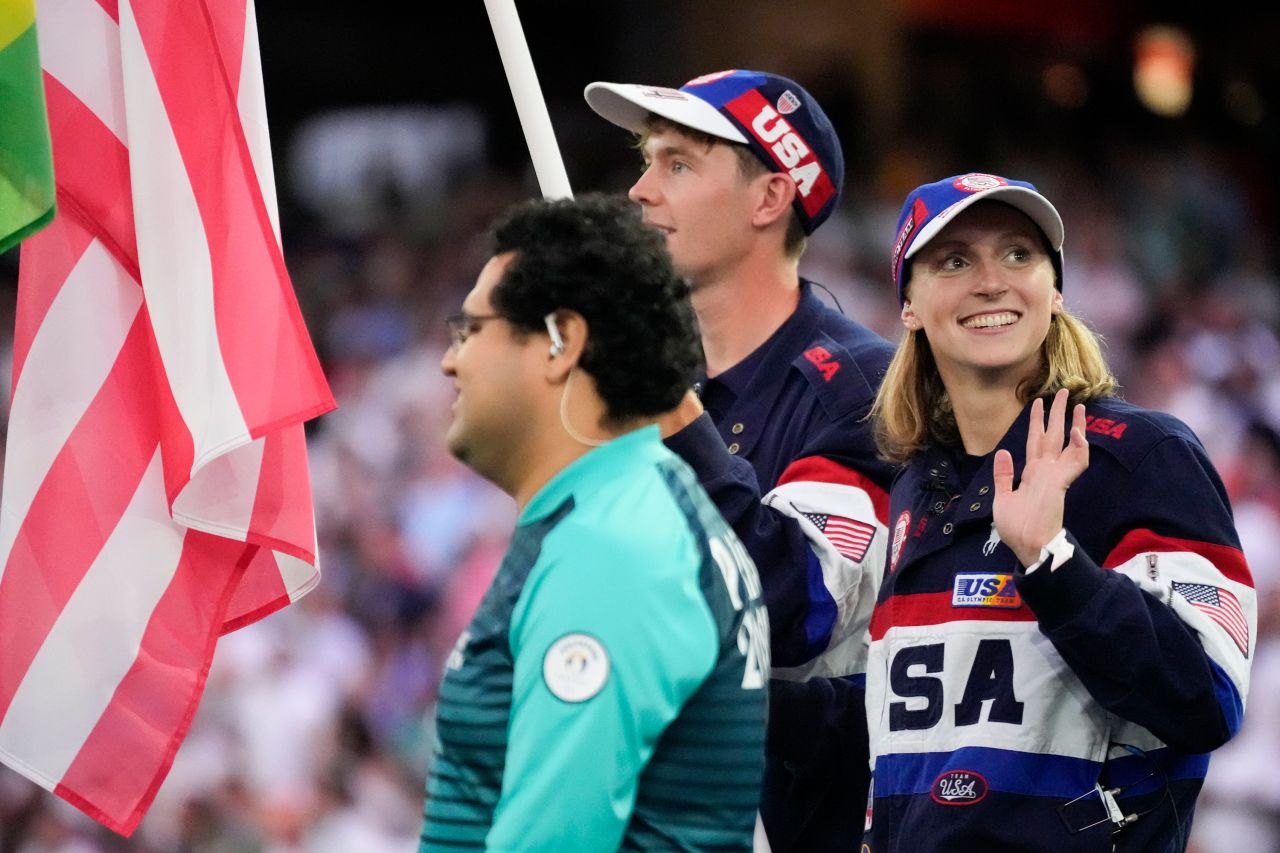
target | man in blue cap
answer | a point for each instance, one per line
(740, 167)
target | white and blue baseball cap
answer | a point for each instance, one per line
(931, 207)
(772, 115)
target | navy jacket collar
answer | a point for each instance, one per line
(937, 487)
(762, 368)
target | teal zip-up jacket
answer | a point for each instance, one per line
(608, 694)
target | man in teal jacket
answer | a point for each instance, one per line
(609, 691)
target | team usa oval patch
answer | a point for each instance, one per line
(959, 788)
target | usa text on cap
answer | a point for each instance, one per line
(775, 117)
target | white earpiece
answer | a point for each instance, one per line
(557, 342)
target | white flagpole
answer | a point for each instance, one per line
(547, 162)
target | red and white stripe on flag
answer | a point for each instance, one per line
(850, 536)
(155, 491)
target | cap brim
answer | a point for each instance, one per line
(628, 105)
(1034, 205)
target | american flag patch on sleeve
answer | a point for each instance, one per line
(1220, 606)
(849, 536)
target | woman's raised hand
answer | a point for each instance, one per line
(1029, 516)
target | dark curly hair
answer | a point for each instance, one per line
(594, 256)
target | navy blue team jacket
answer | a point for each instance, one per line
(787, 455)
(998, 699)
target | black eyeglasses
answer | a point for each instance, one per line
(463, 325)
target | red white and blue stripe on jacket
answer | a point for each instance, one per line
(995, 698)
(787, 455)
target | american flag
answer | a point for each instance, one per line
(850, 536)
(1220, 606)
(156, 492)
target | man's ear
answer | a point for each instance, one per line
(567, 338)
(777, 193)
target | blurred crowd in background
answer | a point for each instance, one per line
(316, 726)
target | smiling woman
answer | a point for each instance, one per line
(1049, 663)
(979, 260)
(984, 295)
